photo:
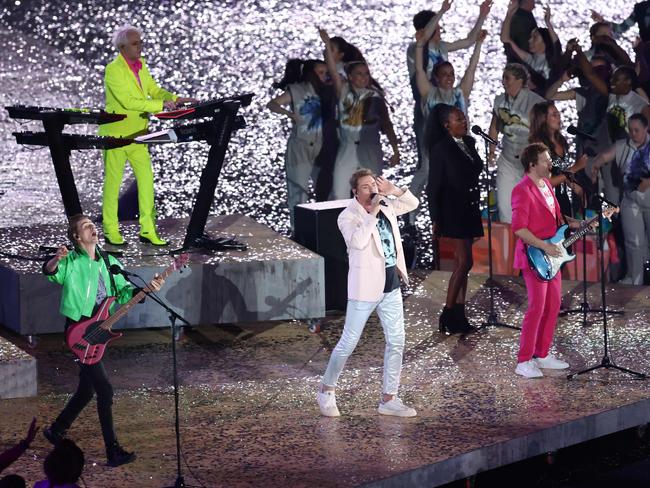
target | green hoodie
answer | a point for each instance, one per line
(79, 276)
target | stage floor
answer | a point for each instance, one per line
(249, 416)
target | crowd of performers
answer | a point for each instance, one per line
(339, 111)
(540, 182)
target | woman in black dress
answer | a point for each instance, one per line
(454, 197)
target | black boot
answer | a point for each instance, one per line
(464, 327)
(117, 456)
(53, 435)
(444, 321)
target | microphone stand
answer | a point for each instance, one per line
(605, 362)
(493, 319)
(584, 307)
(173, 316)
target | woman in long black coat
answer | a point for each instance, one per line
(454, 198)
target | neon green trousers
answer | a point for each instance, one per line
(114, 160)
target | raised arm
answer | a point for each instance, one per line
(549, 24)
(505, 32)
(331, 64)
(421, 78)
(472, 36)
(433, 23)
(467, 82)
(621, 57)
(552, 91)
(617, 28)
(585, 66)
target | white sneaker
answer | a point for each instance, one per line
(528, 369)
(327, 404)
(397, 408)
(550, 362)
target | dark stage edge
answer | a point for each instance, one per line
(275, 279)
(249, 415)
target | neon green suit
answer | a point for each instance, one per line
(124, 95)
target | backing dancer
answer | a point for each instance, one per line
(86, 282)
(454, 198)
(371, 233)
(535, 216)
(131, 90)
(302, 85)
(510, 117)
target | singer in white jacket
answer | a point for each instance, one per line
(369, 227)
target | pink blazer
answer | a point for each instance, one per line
(367, 275)
(529, 211)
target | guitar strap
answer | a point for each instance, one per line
(104, 256)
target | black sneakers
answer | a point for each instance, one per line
(117, 456)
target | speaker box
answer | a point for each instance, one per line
(315, 228)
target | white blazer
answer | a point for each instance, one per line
(367, 275)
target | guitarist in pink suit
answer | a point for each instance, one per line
(86, 282)
(536, 216)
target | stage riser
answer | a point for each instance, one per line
(18, 374)
(531, 445)
(265, 290)
(275, 279)
(18, 379)
(203, 294)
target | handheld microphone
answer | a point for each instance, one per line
(116, 270)
(574, 131)
(381, 202)
(479, 132)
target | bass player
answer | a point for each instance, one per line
(536, 216)
(87, 281)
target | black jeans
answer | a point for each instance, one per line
(92, 379)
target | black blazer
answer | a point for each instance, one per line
(453, 190)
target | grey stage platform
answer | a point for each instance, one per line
(274, 279)
(17, 372)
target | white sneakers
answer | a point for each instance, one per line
(327, 404)
(550, 362)
(528, 369)
(532, 368)
(397, 408)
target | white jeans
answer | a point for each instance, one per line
(391, 315)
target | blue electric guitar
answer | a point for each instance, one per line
(545, 266)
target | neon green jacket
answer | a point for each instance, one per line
(124, 95)
(79, 276)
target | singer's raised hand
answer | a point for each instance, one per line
(385, 187)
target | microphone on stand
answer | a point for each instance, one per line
(479, 132)
(574, 131)
(381, 202)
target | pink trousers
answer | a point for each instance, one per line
(539, 323)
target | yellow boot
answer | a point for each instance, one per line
(114, 238)
(152, 238)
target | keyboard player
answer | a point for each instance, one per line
(130, 89)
